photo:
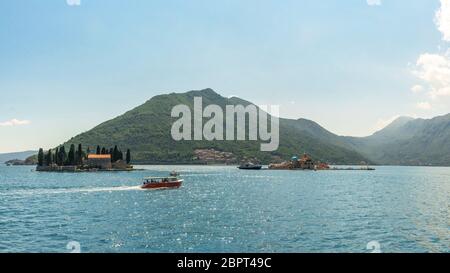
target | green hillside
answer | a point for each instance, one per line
(146, 131)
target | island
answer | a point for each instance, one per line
(77, 160)
(18, 162)
(306, 162)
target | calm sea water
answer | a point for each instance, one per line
(222, 209)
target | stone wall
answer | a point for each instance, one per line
(100, 163)
(56, 168)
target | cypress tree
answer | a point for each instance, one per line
(79, 156)
(62, 155)
(111, 152)
(115, 154)
(71, 156)
(103, 151)
(128, 156)
(98, 150)
(120, 155)
(41, 157)
(49, 158)
(57, 162)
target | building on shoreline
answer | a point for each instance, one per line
(304, 163)
(102, 162)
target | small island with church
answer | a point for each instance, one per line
(78, 160)
(306, 162)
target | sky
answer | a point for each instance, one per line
(352, 66)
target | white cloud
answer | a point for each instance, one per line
(443, 92)
(14, 122)
(443, 19)
(417, 89)
(424, 105)
(73, 2)
(434, 69)
(374, 2)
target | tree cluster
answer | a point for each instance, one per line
(76, 156)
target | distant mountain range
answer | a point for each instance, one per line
(409, 141)
(18, 155)
(146, 131)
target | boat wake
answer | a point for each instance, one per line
(71, 190)
(107, 189)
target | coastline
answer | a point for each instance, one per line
(236, 165)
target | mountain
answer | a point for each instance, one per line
(146, 131)
(391, 130)
(17, 155)
(409, 141)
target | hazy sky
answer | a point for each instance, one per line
(351, 66)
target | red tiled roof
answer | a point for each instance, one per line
(95, 156)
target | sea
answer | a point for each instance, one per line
(223, 209)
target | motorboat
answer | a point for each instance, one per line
(171, 182)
